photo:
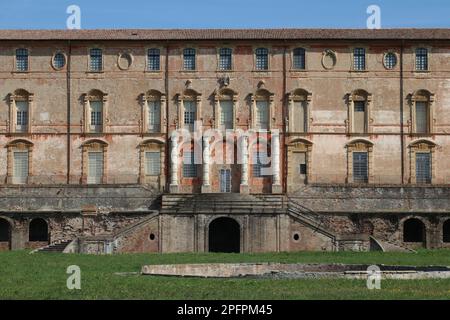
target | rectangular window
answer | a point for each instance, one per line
(21, 116)
(299, 116)
(22, 60)
(189, 167)
(359, 59)
(262, 114)
(154, 116)
(421, 117)
(259, 163)
(360, 167)
(225, 180)
(226, 114)
(189, 59)
(96, 116)
(423, 168)
(421, 59)
(299, 59)
(95, 167)
(96, 60)
(359, 115)
(153, 59)
(302, 162)
(262, 59)
(153, 163)
(190, 108)
(225, 59)
(20, 167)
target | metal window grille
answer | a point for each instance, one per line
(189, 59)
(189, 167)
(225, 180)
(153, 163)
(421, 117)
(423, 168)
(262, 114)
(153, 56)
(21, 116)
(96, 115)
(390, 60)
(225, 59)
(59, 60)
(20, 167)
(226, 114)
(359, 59)
(258, 165)
(154, 116)
(190, 109)
(421, 59)
(299, 59)
(96, 61)
(360, 167)
(95, 167)
(22, 59)
(262, 59)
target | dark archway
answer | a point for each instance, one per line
(414, 231)
(5, 234)
(38, 230)
(224, 235)
(446, 231)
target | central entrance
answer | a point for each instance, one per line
(224, 235)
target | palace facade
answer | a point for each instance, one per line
(328, 140)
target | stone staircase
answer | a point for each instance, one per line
(57, 247)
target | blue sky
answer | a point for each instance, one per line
(95, 14)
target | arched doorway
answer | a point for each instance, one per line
(38, 230)
(446, 231)
(414, 231)
(5, 235)
(224, 235)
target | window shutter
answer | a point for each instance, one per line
(20, 169)
(423, 168)
(299, 116)
(152, 163)
(421, 117)
(359, 116)
(360, 167)
(226, 114)
(262, 115)
(95, 167)
(154, 116)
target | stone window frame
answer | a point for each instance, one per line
(269, 57)
(225, 94)
(52, 62)
(299, 146)
(20, 95)
(152, 145)
(191, 95)
(225, 46)
(366, 60)
(429, 56)
(144, 98)
(95, 95)
(422, 95)
(303, 95)
(21, 145)
(94, 46)
(397, 64)
(293, 48)
(93, 145)
(15, 70)
(360, 145)
(262, 94)
(421, 146)
(359, 95)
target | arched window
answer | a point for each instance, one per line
(421, 112)
(189, 109)
(422, 153)
(360, 161)
(262, 104)
(446, 231)
(94, 161)
(95, 103)
(20, 107)
(299, 101)
(38, 230)
(19, 161)
(262, 59)
(359, 103)
(414, 231)
(225, 108)
(152, 162)
(154, 104)
(298, 59)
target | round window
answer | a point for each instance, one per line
(390, 60)
(296, 236)
(152, 236)
(59, 60)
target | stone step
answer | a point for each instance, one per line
(56, 247)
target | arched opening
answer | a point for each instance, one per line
(446, 232)
(414, 231)
(224, 235)
(5, 235)
(38, 230)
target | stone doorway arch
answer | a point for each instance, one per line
(224, 235)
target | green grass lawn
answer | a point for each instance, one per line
(43, 276)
